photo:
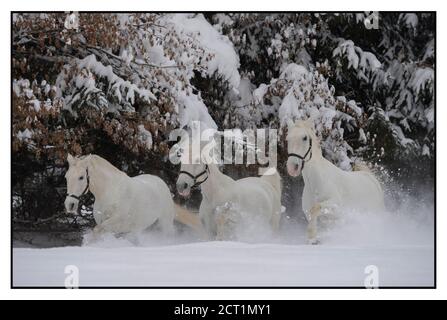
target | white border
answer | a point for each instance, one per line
(233, 5)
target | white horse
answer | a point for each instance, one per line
(122, 204)
(328, 189)
(256, 197)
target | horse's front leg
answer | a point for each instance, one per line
(314, 212)
(101, 215)
(93, 236)
(206, 218)
(326, 207)
(226, 217)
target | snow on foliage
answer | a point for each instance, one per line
(142, 70)
(224, 59)
(193, 109)
(145, 136)
(361, 61)
(299, 93)
(119, 83)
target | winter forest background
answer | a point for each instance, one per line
(116, 84)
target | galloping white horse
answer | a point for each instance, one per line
(122, 204)
(257, 197)
(328, 189)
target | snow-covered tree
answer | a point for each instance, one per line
(384, 75)
(117, 84)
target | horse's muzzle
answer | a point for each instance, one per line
(293, 168)
(183, 189)
(71, 205)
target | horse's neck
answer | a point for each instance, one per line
(216, 184)
(103, 177)
(316, 147)
(312, 167)
(318, 169)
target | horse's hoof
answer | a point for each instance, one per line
(313, 241)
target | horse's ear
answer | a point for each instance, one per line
(290, 123)
(71, 160)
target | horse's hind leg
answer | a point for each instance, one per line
(312, 226)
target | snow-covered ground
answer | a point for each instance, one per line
(226, 264)
(401, 249)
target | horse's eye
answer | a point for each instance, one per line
(304, 138)
(81, 178)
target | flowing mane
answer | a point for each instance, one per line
(95, 159)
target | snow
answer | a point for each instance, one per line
(400, 245)
(145, 136)
(259, 93)
(302, 94)
(225, 264)
(288, 108)
(429, 50)
(425, 150)
(362, 136)
(21, 86)
(410, 19)
(348, 48)
(369, 60)
(222, 20)
(187, 44)
(157, 56)
(24, 135)
(352, 105)
(421, 77)
(244, 93)
(401, 136)
(356, 56)
(90, 63)
(293, 72)
(36, 104)
(430, 114)
(225, 60)
(192, 109)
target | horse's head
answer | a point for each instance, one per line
(193, 170)
(299, 144)
(194, 163)
(191, 175)
(77, 182)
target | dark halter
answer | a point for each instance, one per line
(303, 158)
(86, 187)
(194, 178)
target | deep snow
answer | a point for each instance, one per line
(400, 247)
(226, 264)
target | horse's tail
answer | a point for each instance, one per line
(188, 218)
(274, 179)
(361, 166)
